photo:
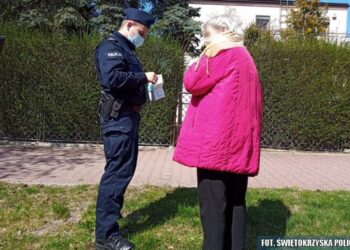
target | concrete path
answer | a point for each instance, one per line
(84, 165)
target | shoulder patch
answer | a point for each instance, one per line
(114, 55)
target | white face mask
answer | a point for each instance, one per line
(137, 39)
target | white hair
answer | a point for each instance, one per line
(228, 21)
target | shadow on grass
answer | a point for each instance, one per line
(162, 210)
(269, 217)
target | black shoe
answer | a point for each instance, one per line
(116, 243)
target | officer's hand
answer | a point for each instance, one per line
(152, 77)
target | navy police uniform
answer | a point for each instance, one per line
(123, 93)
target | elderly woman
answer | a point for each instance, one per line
(220, 135)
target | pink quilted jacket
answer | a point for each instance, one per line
(222, 128)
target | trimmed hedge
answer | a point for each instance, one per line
(306, 93)
(163, 57)
(49, 90)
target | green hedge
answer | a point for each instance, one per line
(49, 90)
(306, 93)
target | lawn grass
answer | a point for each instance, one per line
(45, 217)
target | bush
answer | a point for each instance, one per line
(49, 90)
(253, 34)
(306, 93)
(164, 58)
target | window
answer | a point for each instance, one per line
(262, 22)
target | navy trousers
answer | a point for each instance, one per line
(121, 150)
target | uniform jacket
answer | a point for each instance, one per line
(222, 128)
(120, 72)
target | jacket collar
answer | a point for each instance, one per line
(123, 39)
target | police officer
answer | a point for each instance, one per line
(123, 94)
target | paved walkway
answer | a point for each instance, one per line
(76, 165)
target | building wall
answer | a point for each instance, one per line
(338, 20)
(348, 12)
(247, 14)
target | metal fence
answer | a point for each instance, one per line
(338, 38)
(157, 130)
(150, 135)
(331, 37)
(182, 106)
(48, 134)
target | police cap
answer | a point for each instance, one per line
(139, 16)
